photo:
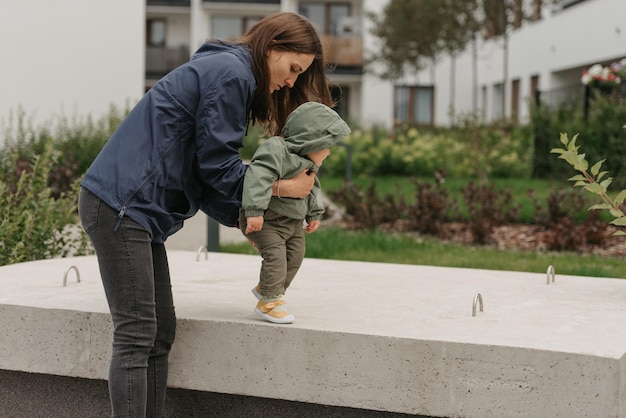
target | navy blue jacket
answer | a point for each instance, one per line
(177, 151)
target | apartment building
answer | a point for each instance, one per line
(77, 57)
(175, 28)
(545, 54)
(542, 57)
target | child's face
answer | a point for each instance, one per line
(318, 157)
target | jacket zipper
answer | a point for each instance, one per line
(120, 216)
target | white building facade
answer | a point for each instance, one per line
(70, 57)
(81, 56)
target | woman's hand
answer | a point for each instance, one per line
(297, 187)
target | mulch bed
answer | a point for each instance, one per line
(534, 238)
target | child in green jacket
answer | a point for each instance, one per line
(275, 225)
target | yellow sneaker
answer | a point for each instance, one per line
(256, 291)
(271, 310)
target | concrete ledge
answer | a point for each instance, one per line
(36, 395)
(371, 336)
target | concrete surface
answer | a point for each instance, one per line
(372, 336)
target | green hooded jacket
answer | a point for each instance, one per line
(311, 127)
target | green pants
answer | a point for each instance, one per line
(282, 246)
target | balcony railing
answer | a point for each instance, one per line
(162, 60)
(343, 50)
(173, 3)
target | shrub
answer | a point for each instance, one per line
(428, 213)
(78, 140)
(367, 209)
(601, 128)
(34, 224)
(487, 208)
(475, 150)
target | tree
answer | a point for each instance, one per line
(415, 32)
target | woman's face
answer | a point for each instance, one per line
(285, 67)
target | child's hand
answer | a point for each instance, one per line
(312, 226)
(255, 223)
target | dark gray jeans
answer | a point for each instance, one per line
(136, 279)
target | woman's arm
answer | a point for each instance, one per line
(297, 187)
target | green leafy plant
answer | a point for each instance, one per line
(428, 213)
(34, 224)
(487, 208)
(366, 209)
(593, 180)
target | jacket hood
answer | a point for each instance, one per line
(212, 47)
(313, 127)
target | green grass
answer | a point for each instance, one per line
(337, 244)
(333, 243)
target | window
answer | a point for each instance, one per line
(495, 18)
(497, 110)
(230, 27)
(518, 14)
(155, 32)
(534, 89)
(536, 13)
(515, 99)
(414, 105)
(328, 16)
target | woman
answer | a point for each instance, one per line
(177, 152)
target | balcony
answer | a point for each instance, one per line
(162, 60)
(343, 51)
(173, 3)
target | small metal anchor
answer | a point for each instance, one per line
(67, 271)
(550, 273)
(200, 250)
(478, 299)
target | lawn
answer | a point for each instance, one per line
(376, 246)
(379, 246)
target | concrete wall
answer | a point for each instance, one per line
(70, 57)
(36, 395)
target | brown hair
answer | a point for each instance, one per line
(285, 31)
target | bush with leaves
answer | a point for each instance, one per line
(601, 128)
(428, 214)
(367, 209)
(79, 139)
(33, 223)
(487, 208)
(471, 152)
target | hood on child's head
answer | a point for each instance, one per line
(312, 127)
